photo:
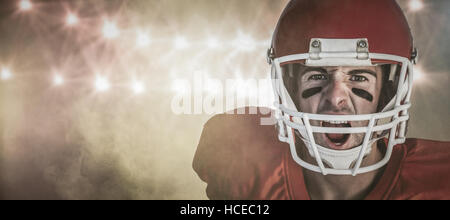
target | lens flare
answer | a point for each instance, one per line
(418, 74)
(244, 42)
(6, 74)
(181, 43)
(416, 5)
(58, 80)
(25, 5)
(71, 19)
(180, 86)
(102, 84)
(137, 87)
(212, 43)
(110, 30)
(142, 39)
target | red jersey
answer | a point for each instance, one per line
(240, 159)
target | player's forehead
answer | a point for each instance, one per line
(341, 69)
(303, 70)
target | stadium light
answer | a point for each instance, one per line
(212, 43)
(71, 19)
(418, 74)
(58, 80)
(415, 5)
(180, 86)
(180, 43)
(142, 39)
(110, 30)
(25, 5)
(137, 87)
(102, 84)
(5, 74)
(244, 42)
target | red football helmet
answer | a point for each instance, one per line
(343, 33)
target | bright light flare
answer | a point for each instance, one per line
(181, 43)
(418, 74)
(142, 39)
(71, 19)
(110, 30)
(102, 84)
(212, 43)
(241, 86)
(244, 42)
(181, 86)
(25, 5)
(58, 80)
(212, 87)
(137, 87)
(415, 5)
(6, 74)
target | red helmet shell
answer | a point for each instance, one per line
(382, 22)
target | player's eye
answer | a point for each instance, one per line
(318, 77)
(358, 78)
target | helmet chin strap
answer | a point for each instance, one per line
(339, 159)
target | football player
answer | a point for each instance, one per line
(342, 76)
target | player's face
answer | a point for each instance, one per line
(339, 91)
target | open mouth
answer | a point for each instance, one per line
(336, 140)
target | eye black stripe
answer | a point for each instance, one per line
(363, 94)
(310, 92)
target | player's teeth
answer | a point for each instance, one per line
(337, 122)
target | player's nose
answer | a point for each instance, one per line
(336, 94)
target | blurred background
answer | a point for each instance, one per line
(86, 89)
